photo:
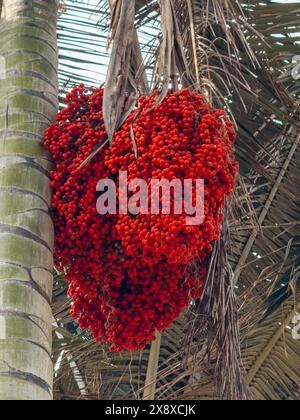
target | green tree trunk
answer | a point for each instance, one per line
(28, 92)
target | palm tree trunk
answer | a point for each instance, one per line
(28, 92)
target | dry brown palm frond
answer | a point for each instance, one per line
(217, 316)
(125, 76)
(172, 61)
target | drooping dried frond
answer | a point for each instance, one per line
(172, 62)
(121, 89)
(216, 316)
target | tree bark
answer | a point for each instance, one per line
(28, 92)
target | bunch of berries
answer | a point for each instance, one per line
(130, 275)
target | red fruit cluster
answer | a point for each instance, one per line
(132, 275)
